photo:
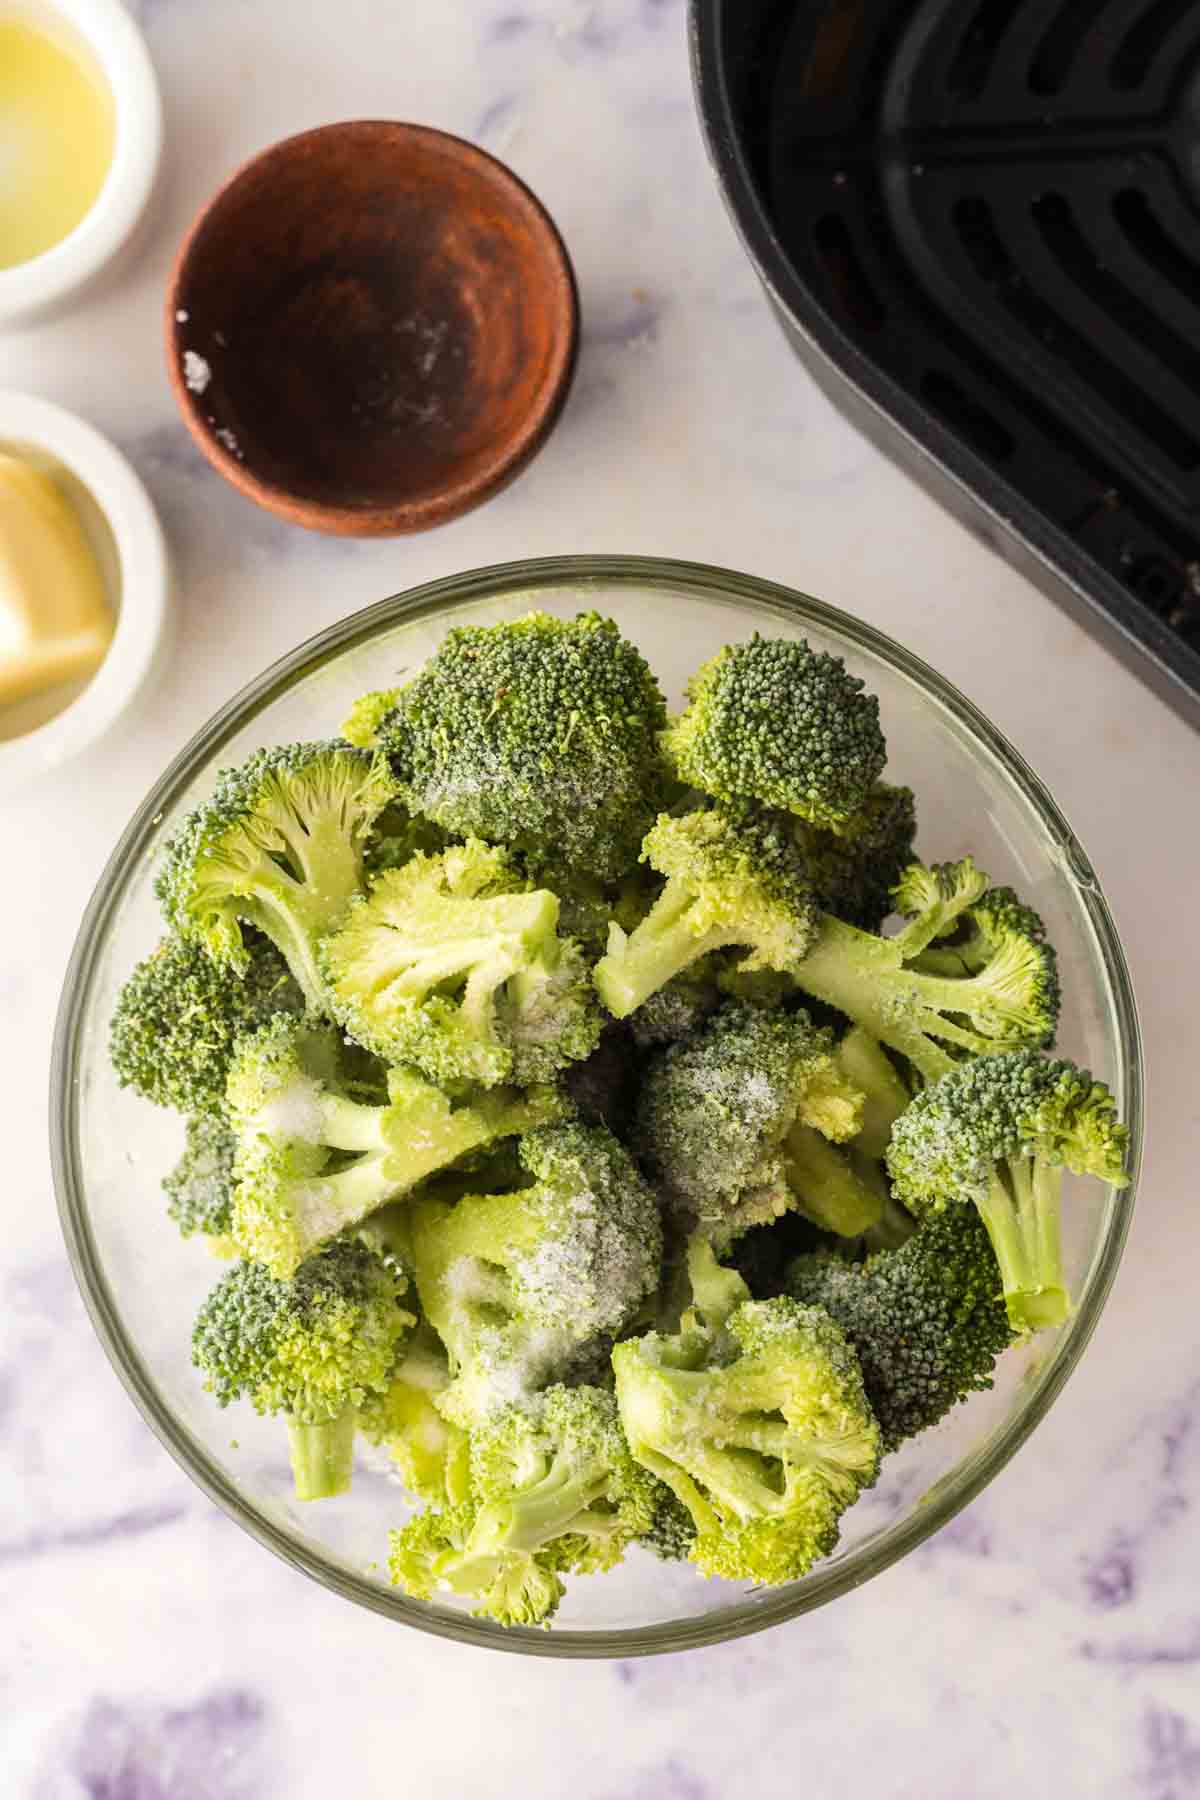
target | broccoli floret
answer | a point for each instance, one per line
(451, 964)
(927, 1321)
(179, 1016)
(762, 1431)
(397, 838)
(541, 734)
(672, 1532)
(734, 1122)
(361, 725)
(1009, 1001)
(519, 1285)
(200, 1187)
(313, 1348)
(430, 1454)
(678, 1009)
(280, 845)
(730, 882)
(554, 1491)
(311, 1160)
(997, 1133)
(763, 1255)
(854, 869)
(778, 722)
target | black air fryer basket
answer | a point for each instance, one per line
(980, 223)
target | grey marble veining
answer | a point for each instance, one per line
(1048, 1642)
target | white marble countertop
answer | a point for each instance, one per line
(1049, 1641)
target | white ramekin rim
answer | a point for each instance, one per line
(143, 601)
(119, 48)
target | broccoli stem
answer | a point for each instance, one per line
(550, 1507)
(859, 975)
(1022, 1212)
(322, 1455)
(867, 1065)
(827, 1189)
(665, 943)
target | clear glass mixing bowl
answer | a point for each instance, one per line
(142, 1284)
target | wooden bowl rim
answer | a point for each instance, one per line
(510, 456)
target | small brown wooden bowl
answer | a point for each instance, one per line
(372, 328)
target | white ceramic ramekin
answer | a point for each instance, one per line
(118, 47)
(124, 531)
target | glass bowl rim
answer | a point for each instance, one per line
(528, 577)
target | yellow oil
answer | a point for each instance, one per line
(57, 131)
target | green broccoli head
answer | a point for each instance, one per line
(678, 1009)
(853, 870)
(555, 1491)
(539, 733)
(451, 963)
(399, 836)
(926, 1321)
(280, 845)
(200, 1187)
(717, 1113)
(731, 881)
(763, 1433)
(179, 1016)
(917, 994)
(313, 1160)
(361, 725)
(312, 1347)
(778, 722)
(430, 1455)
(997, 1133)
(520, 1284)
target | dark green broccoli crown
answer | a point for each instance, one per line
(927, 1321)
(713, 1110)
(309, 1346)
(599, 1252)
(679, 1008)
(199, 1189)
(398, 836)
(541, 733)
(854, 869)
(672, 1532)
(776, 721)
(949, 1140)
(179, 1016)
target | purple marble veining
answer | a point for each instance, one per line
(1172, 1766)
(133, 1524)
(208, 1751)
(670, 1780)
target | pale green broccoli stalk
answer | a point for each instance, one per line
(730, 883)
(452, 964)
(311, 1160)
(313, 1348)
(430, 1454)
(926, 1321)
(763, 1432)
(733, 1123)
(539, 733)
(555, 1491)
(867, 1066)
(778, 722)
(520, 1285)
(997, 1134)
(1008, 1001)
(280, 845)
(200, 1187)
(179, 1016)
